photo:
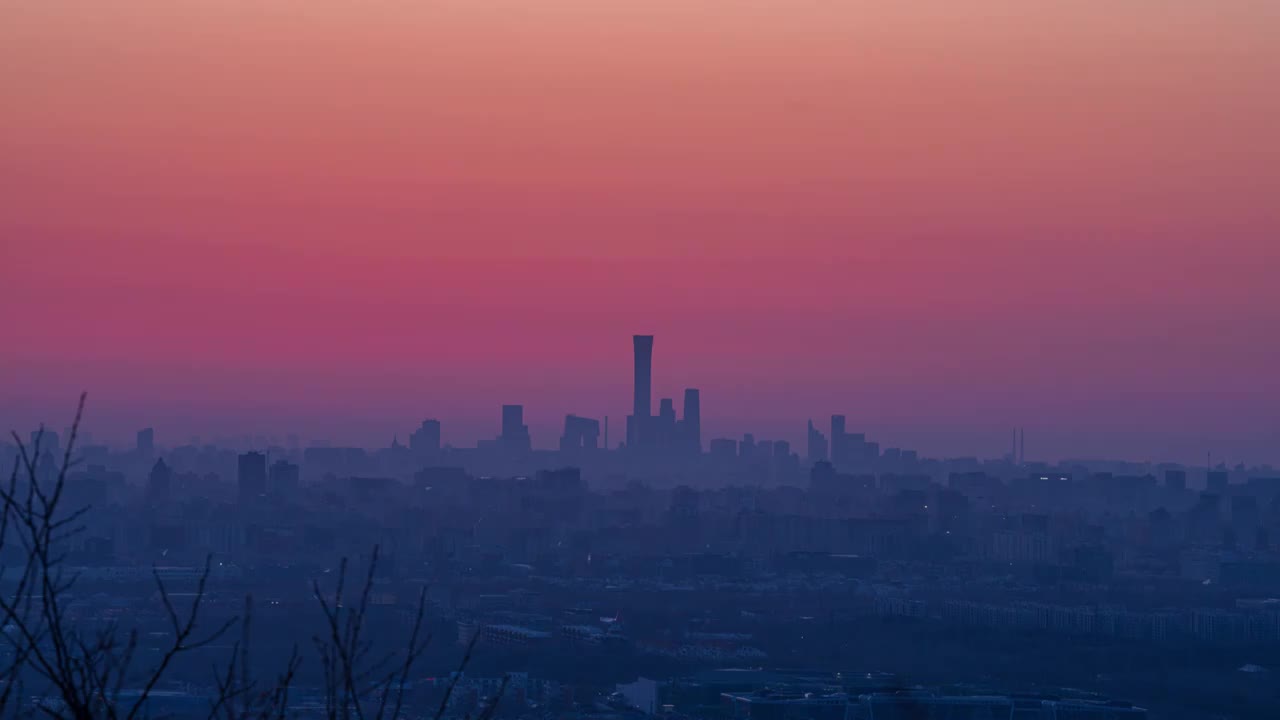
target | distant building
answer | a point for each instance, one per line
(159, 483)
(797, 705)
(146, 441)
(1175, 479)
(816, 449)
(48, 443)
(724, 449)
(515, 434)
(567, 479)
(638, 423)
(691, 423)
(283, 478)
(251, 476)
(838, 442)
(426, 439)
(849, 450)
(822, 477)
(664, 431)
(580, 433)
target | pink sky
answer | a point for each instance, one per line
(941, 218)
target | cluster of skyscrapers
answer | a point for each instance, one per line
(846, 449)
(647, 433)
(661, 433)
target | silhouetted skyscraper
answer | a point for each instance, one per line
(839, 444)
(639, 425)
(663, 428)
(251, 476)
(691, 423)
(146, 441)
(643, 345)
(580, 434)
(426, 439)
(515, 434)
(159, 483)
(817, 445)
(1175, 479)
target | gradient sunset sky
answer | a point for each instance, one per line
(943, 218)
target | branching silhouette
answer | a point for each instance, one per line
(352, 677)
(83, 674)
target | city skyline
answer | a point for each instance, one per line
(944, 221)
(664, 432)
(640, 359)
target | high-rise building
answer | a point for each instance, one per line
(515, 434)
(426, 439)
(146, 441)
(839, 443)
(870, 451)
(691, 423)
(251, 476)
(1217, 481)
(724, 449)
(664, 432)
(580, 433)
(639, 425)
(283, 478)
(1175, 479)
(643, 346)
(159, 483)
(816, 450)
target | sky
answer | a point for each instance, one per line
(942, 219)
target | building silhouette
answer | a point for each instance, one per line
(816, 447)
(691, 422)
(638, 423)
(580, 433)
(426, 439)
(284, 478)
(146, 441)
(515, 434)
(159, 483)
(663, 434)
(251, 476)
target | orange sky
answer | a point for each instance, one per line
(939, 217)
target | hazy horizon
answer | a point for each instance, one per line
(943, 220)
